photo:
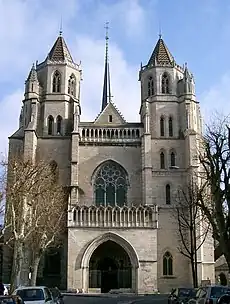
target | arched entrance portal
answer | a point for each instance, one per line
(110, 267)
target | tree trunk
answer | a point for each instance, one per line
(35, 265)
(17, 265)
(195, 257)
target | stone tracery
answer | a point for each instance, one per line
(110, 185)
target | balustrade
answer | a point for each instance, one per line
(117, 217)
(108, 134)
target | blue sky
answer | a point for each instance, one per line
(196, 32)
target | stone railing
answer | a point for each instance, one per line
(113, 217)
(110, 134)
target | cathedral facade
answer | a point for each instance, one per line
(123, 175)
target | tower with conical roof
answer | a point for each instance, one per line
(170, 114)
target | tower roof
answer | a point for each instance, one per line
(60, 51)
(161, 54)
(32, 74)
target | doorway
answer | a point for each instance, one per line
(110, 268)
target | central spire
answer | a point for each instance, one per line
(106, 97)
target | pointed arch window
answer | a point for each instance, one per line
(111, 185)
(50, 125)
(150, 86)
(56, 82)
(162, 160)
(72, 85)
(168, 194)
(59, 124)
(170, 126)
(167, 264)
(162, 126)
(173, 159)
(165, 84)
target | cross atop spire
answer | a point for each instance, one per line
(106, 96)
(60, 32)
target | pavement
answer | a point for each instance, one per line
(115, 299)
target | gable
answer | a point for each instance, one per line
(110, 115)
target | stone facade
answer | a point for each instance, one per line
(123, 176)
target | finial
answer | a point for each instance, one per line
(60, 32)
(160, 33)
(186, 65)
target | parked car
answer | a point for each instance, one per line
(209, 294)
(224, 299)
(57, 296)
(181, 295)
(35, 295)
(11, 300)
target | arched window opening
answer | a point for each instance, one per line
(59, 124)
(173, 159)
(50, 125)
(56, 82)
(170, 126)
(167, 264)
(162, 160)
(165, 84)
(162, 126)
(111, 185)
(72, 85)
(150, 86)
(167, 195)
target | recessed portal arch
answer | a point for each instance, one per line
(110, 262)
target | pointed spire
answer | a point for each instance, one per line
(32, 74)
(106, 97)
(161, 54)
(60, 51)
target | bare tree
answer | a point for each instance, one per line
(30, 209)
(215, 160)
(192, 227)
(49, 220)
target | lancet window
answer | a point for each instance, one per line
(150, 86)
(165, 84)
(59, 124)
(50, 125)
(167, 264)
(111, 185)
(170, 126)
(162, 126)
(56, 82)
(168, 195)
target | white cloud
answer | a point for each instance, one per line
(124, 79)
(9, 117)
(216, 98)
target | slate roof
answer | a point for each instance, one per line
(161, 54)
(60, 51)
